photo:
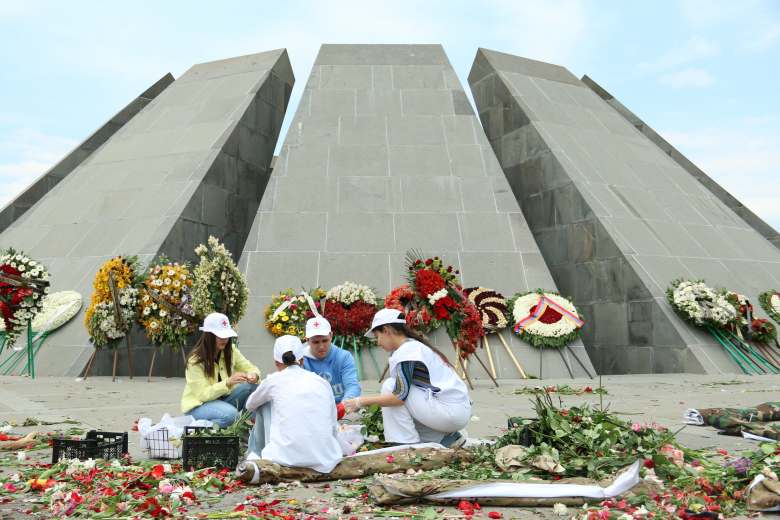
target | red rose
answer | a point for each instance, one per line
(494, 514)
(649, 464)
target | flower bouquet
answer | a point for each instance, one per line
(288, 311)
(218, 285)
(770, 302)
(105, 324)
(24, 283)
(349, 308)
(165, 307)
(721, 314)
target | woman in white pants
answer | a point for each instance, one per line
(423, 399)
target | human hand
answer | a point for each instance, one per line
(351, 405)
(253, 378)
(237, 378)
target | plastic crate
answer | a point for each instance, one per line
(208, 451)
(96, 445)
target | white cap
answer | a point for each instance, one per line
(317, 326)
(383, 317)
(219, 325)
(285, 344)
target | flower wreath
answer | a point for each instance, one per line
(100, 319)
(697, 303)
(349, 308)
(218, 285)
(491, 306)
(770, 302)
(418, 318)
(20, 305)
(165, 308)
(763, 331)
(288, 311)
(437, 298)
(545, 319)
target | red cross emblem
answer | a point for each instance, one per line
(316, 324)
(224, 323)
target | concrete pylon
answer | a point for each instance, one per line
(615, 217)
(193, 162)
(753, 220)
(41, 186)
(385, 154)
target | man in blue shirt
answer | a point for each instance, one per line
(333, 364)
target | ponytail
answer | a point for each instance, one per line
(288, 358)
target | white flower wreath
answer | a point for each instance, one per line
(700, 304)
(556, 334)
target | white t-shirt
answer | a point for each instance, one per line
(451, 387)
(303, 419)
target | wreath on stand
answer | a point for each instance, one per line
(545, 319)
(760, 331)
(289, 310)
(107, 325)
(113, 308)
(433, 297)
(165, 307)
(492, 307)
(770, 302)
(702, 306)
(22, 290)
(218, 285)
(349, 308)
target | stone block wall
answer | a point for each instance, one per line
(193, 162)
(385, 154)
(615, 218)
(727, 198)
(43, 184)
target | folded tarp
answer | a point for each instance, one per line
(387, 490)
(397, 459)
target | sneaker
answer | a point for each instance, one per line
(453, 440)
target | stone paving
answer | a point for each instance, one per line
(100, 403)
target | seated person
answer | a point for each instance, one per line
(423, 399)
(335, 365)
(218, 378)
(303, 427)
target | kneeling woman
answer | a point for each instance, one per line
(219, 378)
(423, 399)
(303, 427)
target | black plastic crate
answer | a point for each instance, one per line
(96, 445)
(208, 451)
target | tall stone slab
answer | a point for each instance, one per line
(195, 161)
(615, 217)
(41, 186)
(753, 220)
(385, 154)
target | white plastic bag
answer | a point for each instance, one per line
(163, 440)
(350, 438)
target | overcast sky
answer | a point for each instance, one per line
(703, 73)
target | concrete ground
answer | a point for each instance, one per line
(113, 406)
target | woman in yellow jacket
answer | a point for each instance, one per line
(219, 378)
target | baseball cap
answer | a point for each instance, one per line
(383, 317)
(285, 344)
(219, 325)
(317, 326)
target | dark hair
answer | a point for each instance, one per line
(206, 352)
(406, 330)
(288, 358)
